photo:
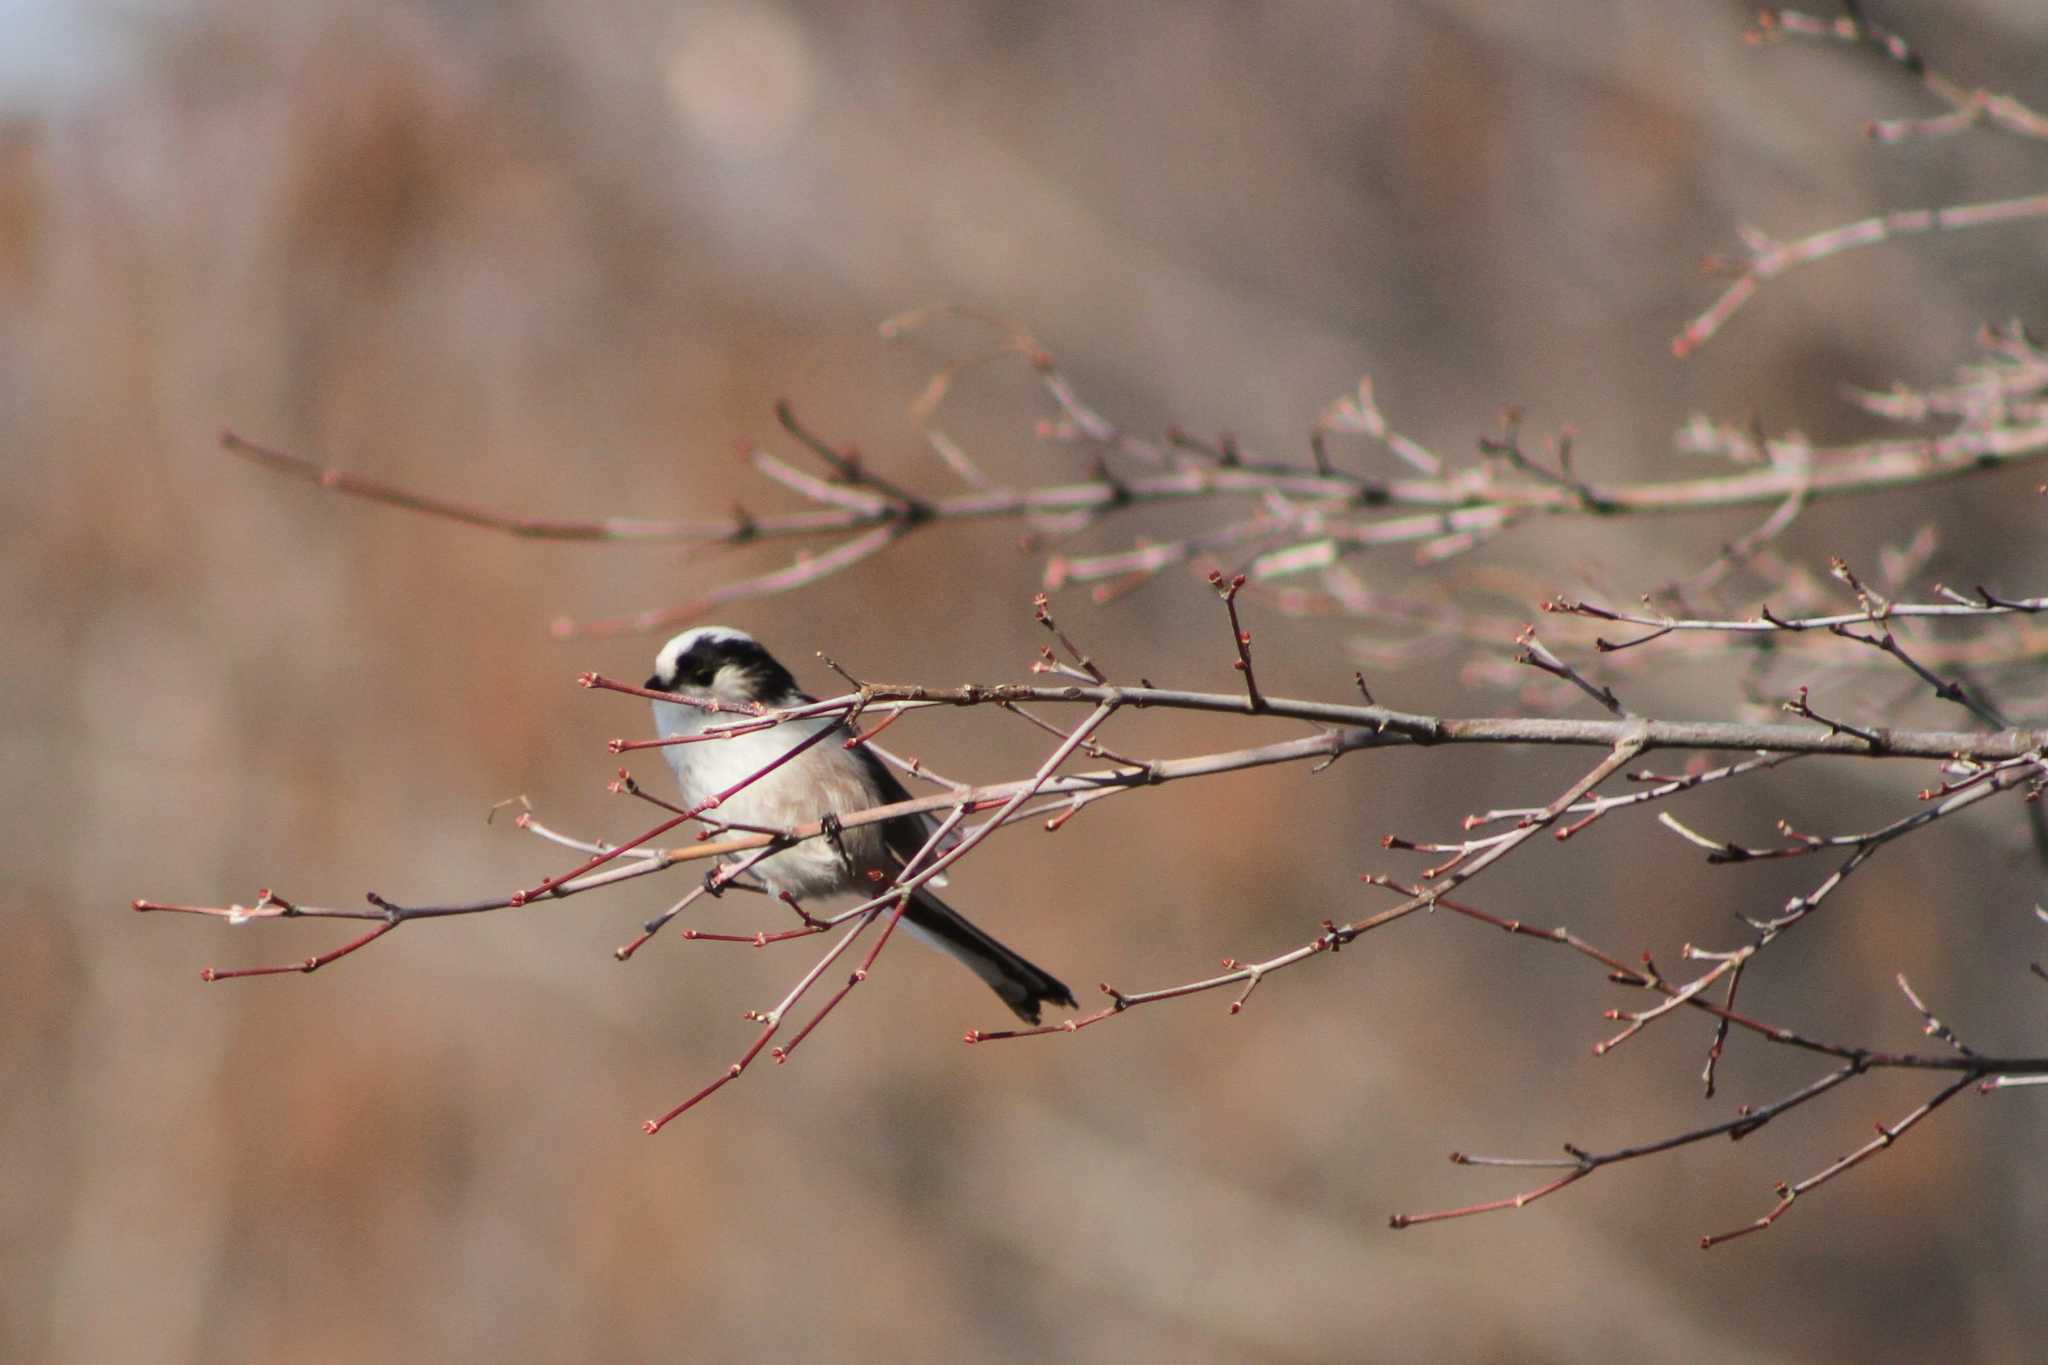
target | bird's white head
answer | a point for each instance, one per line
(723, 664)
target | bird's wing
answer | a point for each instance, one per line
(905, 836)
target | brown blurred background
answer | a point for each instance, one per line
(561, 259)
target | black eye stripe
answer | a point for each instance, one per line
(755, 668)
(752, 669)
(702, 663)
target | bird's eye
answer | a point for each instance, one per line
(702, 674)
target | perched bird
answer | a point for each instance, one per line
(825, 780)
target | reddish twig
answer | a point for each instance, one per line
(1239, 636)
(1534, 653)
(1334, 937)
(1886, 1136)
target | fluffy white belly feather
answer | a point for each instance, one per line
(823, 780)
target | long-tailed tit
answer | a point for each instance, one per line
(825, 780)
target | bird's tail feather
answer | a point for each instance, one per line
(1023, 985)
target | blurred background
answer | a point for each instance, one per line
(562, 259)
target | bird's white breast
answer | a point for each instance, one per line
(824, 779)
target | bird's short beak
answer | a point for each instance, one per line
(653, 684)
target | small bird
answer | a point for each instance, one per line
(718, 663)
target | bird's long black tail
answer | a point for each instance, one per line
(1023, 985)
